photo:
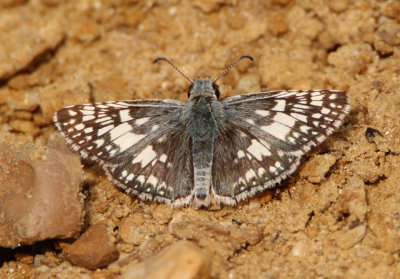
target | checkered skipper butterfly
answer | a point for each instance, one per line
(178, 153)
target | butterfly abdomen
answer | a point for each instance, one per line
(202, 165)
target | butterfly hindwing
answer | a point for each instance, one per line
(244, 164)
(162, 171)
(140, 144)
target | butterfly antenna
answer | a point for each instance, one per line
(175, 67)
(233, 65)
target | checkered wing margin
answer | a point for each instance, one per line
(140, 144)
(262, 137)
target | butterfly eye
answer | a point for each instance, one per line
(216, 90)
(190, 89)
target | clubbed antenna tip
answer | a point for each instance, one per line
(175, 67)
(233, 65)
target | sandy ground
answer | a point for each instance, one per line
(337, 217)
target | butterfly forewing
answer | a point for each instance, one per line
(293, 121)
(104, 130)
(139, 144)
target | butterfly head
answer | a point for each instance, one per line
(204, 87)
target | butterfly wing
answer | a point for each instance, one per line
(141, 145)
(262, 137)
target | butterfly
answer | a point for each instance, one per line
(184, 153)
